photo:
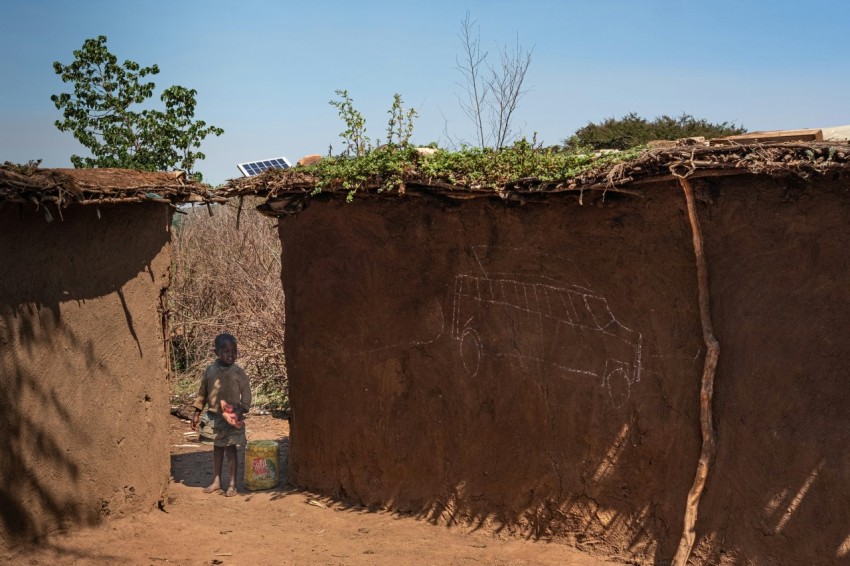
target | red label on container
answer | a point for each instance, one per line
(259, 466)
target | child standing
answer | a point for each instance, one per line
(227, 394)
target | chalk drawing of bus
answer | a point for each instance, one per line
(539, 320)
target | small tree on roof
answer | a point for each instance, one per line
(100, 113)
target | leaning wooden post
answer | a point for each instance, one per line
(706, 419)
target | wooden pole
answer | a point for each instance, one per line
(709, 446)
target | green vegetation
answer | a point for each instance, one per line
(357, 143)
(389, 167)
(99, 112)
(632, 130)
(492, 168)
(400, 124)
(354, 136)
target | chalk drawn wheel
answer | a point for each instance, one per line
(470, 351)
(618, 385)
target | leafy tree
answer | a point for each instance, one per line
(632, 130)
(102, 113)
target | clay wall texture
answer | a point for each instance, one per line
(83, 382)
(537, 368)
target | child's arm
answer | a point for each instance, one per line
(200, 401)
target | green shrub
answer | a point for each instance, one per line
(631, 130)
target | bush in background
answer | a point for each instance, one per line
(631, 130)
(227, 279)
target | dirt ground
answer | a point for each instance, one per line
(277, 526)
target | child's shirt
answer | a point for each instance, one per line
(228, 383)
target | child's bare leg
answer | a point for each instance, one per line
(218, 456)
(231, 468)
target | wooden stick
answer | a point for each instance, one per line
(709, 446)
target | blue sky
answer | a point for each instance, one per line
(265, 70)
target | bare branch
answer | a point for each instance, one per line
(470, 67)
(505, 85)
(497, 93)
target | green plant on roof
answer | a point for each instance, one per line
(390, 168)
(359, 164)
(400, 125)
(354, 136)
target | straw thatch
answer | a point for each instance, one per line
(287, 190)
(62, 187)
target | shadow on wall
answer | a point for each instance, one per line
(32, 443)
(61, 308)
(545, 456)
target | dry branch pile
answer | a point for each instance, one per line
(287, 190)
(227, 279)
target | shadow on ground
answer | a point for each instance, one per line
(195, 469)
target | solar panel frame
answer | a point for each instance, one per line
(251, 168)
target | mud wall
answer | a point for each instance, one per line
(536, 368)
(83, 385)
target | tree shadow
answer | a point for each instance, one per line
(64, 553)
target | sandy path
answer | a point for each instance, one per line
(278, 527)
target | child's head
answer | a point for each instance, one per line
(225, 348)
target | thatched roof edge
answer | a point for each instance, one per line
(63, 187)
(285, 191)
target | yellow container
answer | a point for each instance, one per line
(261, 463)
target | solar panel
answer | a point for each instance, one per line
(251, 168)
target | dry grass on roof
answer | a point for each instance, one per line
(609, 172)
(29, 184)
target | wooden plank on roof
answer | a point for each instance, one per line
(811, 134)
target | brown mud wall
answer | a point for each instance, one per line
(536, 368)
(83, 385)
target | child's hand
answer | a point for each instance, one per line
(231, 414)
(195, 418)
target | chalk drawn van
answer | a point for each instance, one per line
(538, 320)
